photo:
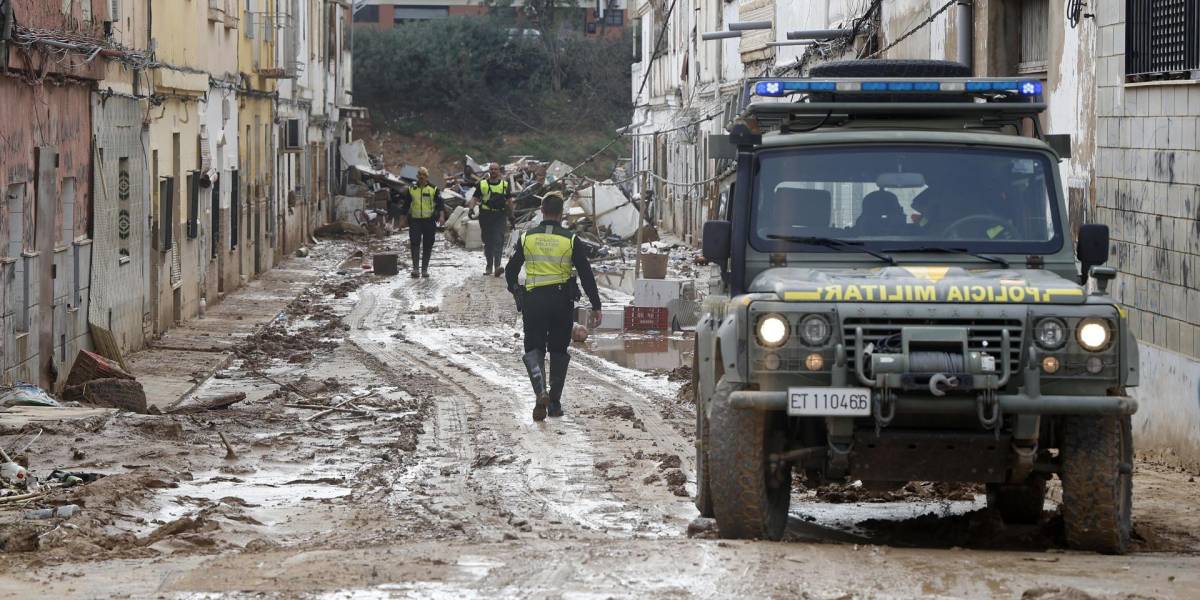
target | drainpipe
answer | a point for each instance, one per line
(965, 27)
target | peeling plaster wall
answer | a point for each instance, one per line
(45, 266)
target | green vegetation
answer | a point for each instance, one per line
(476, 78)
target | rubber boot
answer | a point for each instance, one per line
(535, 365)
(558, 380)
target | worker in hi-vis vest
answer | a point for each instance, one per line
(424, 211)
(495, 203)
(548, 253)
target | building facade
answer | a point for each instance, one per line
(144, 185)
(45, 167)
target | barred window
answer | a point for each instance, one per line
(1162, 39)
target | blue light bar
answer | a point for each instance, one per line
(984, 86)
(783, 88)
(1025, 88)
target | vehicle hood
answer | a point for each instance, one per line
(936, 284)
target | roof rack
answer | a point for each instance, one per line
(832, 100)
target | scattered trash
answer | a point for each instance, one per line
(64, 511)
(13, 474)
(23, 394)
(195, 405)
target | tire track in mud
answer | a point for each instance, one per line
(483, 453)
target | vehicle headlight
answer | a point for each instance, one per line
(1093, 334)
(772, 330)
(1050, 334)
(814, 330)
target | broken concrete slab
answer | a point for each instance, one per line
(14, 419)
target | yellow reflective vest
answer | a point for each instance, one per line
(422, 201)
(487, 188)
(548, 252)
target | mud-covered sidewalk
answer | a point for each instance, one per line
(385, 448)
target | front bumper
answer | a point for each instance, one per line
(1011, 404)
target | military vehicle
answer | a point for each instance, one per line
(900, 301)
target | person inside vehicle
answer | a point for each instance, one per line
(881, 215)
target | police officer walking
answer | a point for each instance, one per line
(425, 214)
(548, 253)
(494, 202)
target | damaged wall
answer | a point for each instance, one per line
(120, 270)
(44, 169)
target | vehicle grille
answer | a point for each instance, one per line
(983, 335)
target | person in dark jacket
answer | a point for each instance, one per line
(425, 212)
(548, 253)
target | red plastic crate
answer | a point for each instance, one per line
(646, 317)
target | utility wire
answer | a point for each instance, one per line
(645, 77)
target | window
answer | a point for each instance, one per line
(897, 198)
(216, 217)
(1162, 39)
(367, 14)
(404, 14)
(166, 211)
(193, 205)
(66, 235)
(123, 218)
(11, 233)
(235, 208)
(637, 40)
(1034, 31)
(614, 17)
(291, 135)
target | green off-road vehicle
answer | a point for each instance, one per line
(902, 303)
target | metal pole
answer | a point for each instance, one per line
(965, 30)
(637, 265)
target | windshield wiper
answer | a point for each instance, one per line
(833, 243)
(988, 257)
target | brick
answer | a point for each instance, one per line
(1187, 338)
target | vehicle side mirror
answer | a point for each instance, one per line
(1092, 248)
(718, 237)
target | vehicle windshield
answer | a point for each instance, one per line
(897, 198)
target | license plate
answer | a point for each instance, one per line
(829, 402)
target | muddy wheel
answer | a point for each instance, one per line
(703, 494)
(1097, 482)
(1018, 503)
(749, 499)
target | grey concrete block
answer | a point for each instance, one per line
(1173, 338)
(1193, 306)
(1187, 337)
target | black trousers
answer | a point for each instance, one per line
(546, 314)
(492, 226)
(420, 237)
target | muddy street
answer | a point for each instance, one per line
(385, 448)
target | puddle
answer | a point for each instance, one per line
(644, 353)
(268, 496)
(847, 517)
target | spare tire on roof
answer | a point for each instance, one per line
(890, 68)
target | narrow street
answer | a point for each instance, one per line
(439, 484)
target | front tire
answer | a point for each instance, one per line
(1097, 482)
(749, 499)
